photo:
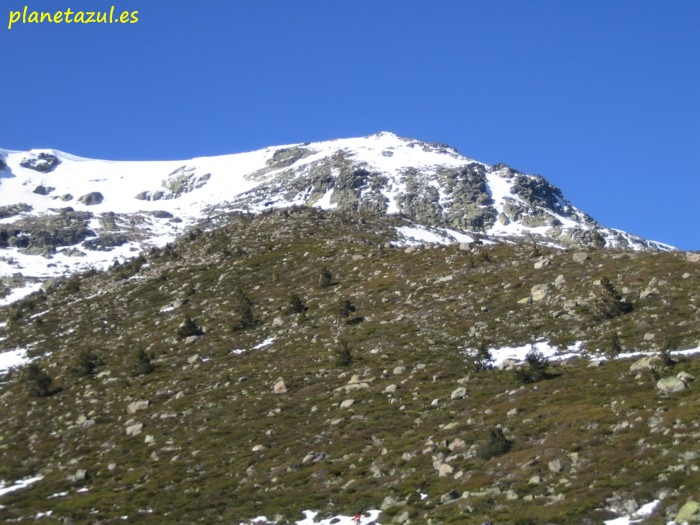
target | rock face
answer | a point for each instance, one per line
(42, 162)
(183, 180)
(92, 198)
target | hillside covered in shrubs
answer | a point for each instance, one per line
(306, 359)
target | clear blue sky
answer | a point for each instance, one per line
(600, 97)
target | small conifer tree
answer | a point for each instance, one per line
(244, 310)
(88, 363)
(344, 354)
(142, 363)
(479, 359)
(613, 346)
(325, 278)
(496, 445)
(535, 369)
(610, 303)
(39, 380)
(188, 328)
(345, 308)
(296, 304)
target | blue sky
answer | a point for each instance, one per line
(600, 97)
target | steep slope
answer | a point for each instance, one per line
(60, 213)
(327, 368)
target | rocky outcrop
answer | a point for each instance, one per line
(14, 209)
(43, 161)
(183, 180)
(92, 198)
(66, 228)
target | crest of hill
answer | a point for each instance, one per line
(60, 213)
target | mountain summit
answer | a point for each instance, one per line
(61, 213)
(310, 340)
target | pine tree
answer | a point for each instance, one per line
(40, 380)
(535, 369)
(188, 328)
(142, 363)
(296, 304)
(325, 278)
(496, 445)
(244, 310)
(345, 308)
(610, 304)
(344, 355)
(88, 363)
(479, 359)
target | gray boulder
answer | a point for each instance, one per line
(670, 385)
(92, 198)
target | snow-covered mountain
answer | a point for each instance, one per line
(60, 213)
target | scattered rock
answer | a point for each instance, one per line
(134, 429)
(314, 457)
(689, 513)
(135, 406)
(686, 377)
(92, 198)
(449, 496)
(542, 263)
(580, 257)
(670, 385)
(539, 292)
(280, 387)
(457, 444)
(650, 362)
(459, 393)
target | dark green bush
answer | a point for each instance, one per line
(188, 328)
(535, 368)
(39, 380)
(88, 363)
(496, 445)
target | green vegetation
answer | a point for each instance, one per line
(367, 410)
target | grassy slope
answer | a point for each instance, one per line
(195, 460)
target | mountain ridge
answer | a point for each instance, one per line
(60, 213)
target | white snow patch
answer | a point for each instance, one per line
(263, 344)
(266, 342)
(325, 201)
(18, 485)
(19, 293)
(12, 358)
(368, 518)
(552, 353)
(642, 512)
